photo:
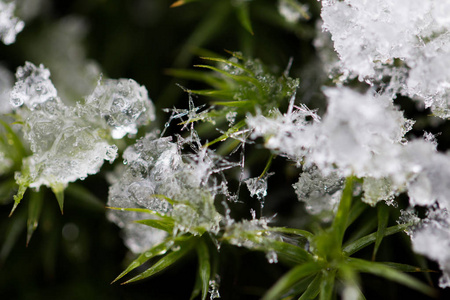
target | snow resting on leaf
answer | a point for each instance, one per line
(157, 176)
(68, 142)
(10, 25)
(432, 239)
(407, 41)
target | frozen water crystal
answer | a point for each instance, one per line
(33, 86)
(69, 142)
(258, 186)
(432, 239)
(154, 167)
(406, 41)
(289, 134)
(321, 194)
(10, 25)
(124, 105)
(360, 134)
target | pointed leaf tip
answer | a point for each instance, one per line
(58, 190)
(177, 3)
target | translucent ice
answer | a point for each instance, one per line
(124, 105)
(258, 186)
(157, 176)
(432, 239)
(10, 25)
(33, 86)
(405, 41)
(321, 194)
(69, 142)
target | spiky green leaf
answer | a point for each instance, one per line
(290, 278)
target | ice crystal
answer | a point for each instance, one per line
(432, 239)
(287, 133)
(157, 176)
(33, 86)
(69, 142)
(321, 194)
(258, 186)
(123, 103)
(253, 234)
(360, 134)
(10, 25)
(406, 41)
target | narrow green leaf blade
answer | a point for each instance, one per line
(290, 278)
(289, 251)
(313, 288)
(340, 221)
(58, 190)
(383, 218)
(369, 239)
(243, 15)
(165, 261)
(327, 285)
(157, 250)
(165, 224)
(34, 212)
(294, 231)
(390, 273)
(204, 267)
(406, 268)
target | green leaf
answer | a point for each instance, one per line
(204, 266)
(299, 287)
(357, 209)
(58, 190)
(291, 278)
(237, 78)
(295, 231)
(383, 218)
(182, 2)
(141, 210)
(34, 212)
(157, 250)
(313, 288)
(228, 133)
(390, 273)
(197, 286)
(243, 15)
(406, 268)
(327, 284)
(341, 220)
(230, 63)
(165, 224)
(371, 238)
(23, 182)
(165, 261)
(16, 142)
(198, 76)
(350, 280)
(289, 251)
